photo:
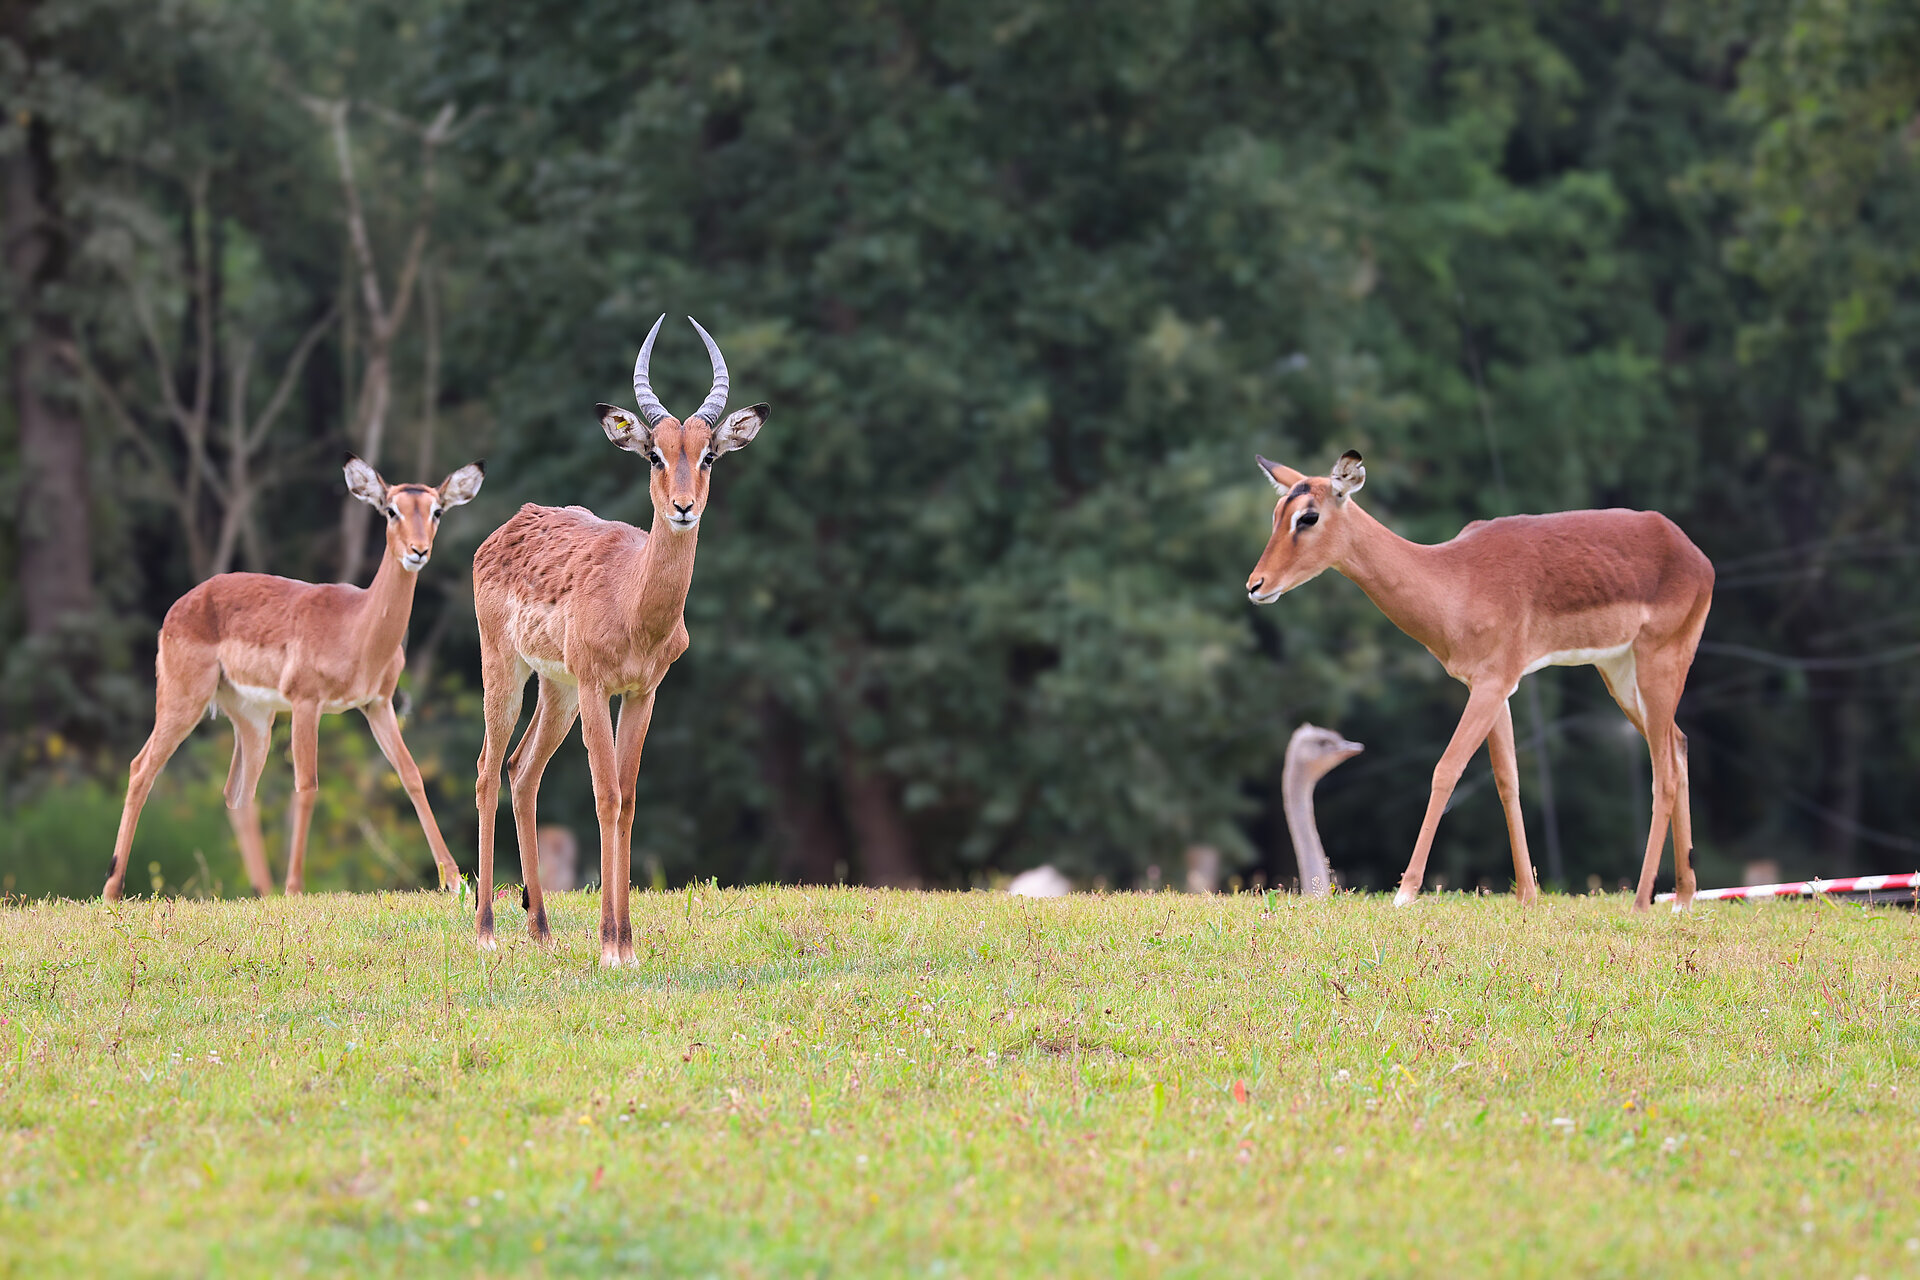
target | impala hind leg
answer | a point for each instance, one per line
(636, 713)
(1483, 707)
(1683, 879)
(503, 679)
(186, 686)
(596, 728)
(1506, 780)
(306, 790)
(252, 737)
(1659, 684)
(553, 716)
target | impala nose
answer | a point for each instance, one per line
(682, 508)
(1254, 585)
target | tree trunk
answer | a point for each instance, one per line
(808, 840)
(55, 514)
(885, 843)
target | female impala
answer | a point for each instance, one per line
(253, 645)
(595, 608)
(1624, 591)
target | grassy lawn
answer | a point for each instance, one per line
(809, 1082)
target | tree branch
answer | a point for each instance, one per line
(295, 363)
(118, 413)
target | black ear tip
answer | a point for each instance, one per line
(1264, 464)
(350, 458)
(762, 409)
(480, 465)
(1352, 455)
(606, 409)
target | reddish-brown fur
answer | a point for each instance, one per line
(252, 644)
(595, 607)
(1623, 590)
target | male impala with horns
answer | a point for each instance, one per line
(594, 608)
(1624, 591)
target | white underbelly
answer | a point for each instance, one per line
(255, 701)
(548, 670)
(1579, 658)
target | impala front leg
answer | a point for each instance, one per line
(636, 713)
(306, 789)
(386, 732)
(1483, 706)
(596, 729)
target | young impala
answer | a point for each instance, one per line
(1624, 591)
(253, 645)
(594, 607)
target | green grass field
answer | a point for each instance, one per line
(846, 1082)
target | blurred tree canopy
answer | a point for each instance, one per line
(1026, 285)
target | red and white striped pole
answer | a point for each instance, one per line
(1804, 888)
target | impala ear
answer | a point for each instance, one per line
(460, 487)
(1348, 475)
(740, 428)
(364, 483)
(1281, 478)
(624, 429)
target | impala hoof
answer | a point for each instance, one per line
(1405, 897)
(610, 959)
(486, 943)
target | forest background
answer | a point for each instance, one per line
(1027, 285)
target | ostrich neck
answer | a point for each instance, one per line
(1296, 792)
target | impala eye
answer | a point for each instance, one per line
(1307, 518)
(392, 514)
(659, 463)
(706, 462)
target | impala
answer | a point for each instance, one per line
(253, 645)
(1624, 591)
(595, 608)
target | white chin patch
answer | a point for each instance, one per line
(681, 525)
(1268, 598)
(414, 564)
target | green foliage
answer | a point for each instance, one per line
(799, 1080)
(1026, 284)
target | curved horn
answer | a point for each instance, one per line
(650, 407)
(716, 402)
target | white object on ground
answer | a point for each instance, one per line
(1041, 882)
